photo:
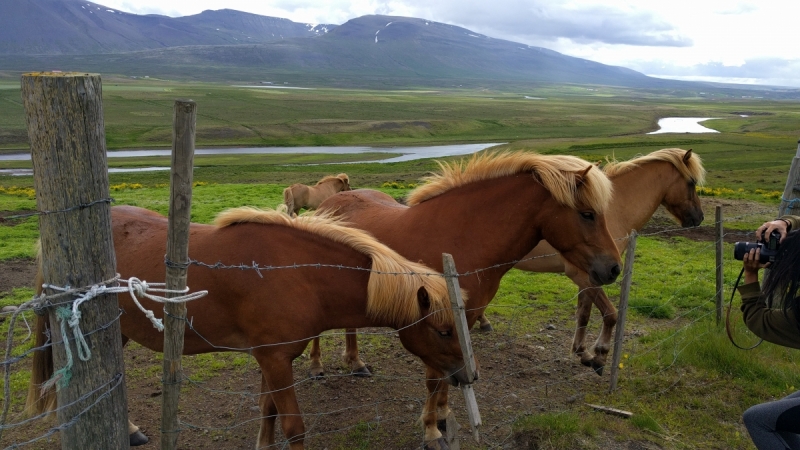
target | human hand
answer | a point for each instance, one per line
(778, 224)
(752, 265)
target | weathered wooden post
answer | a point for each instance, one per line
(622, 311)
(720, 275)
(790, 202)
(180, 209)
(64, 113)
(459, 313)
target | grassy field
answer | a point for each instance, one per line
(686, 384)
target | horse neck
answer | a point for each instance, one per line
(326, 188)
(481, 224)
(637, 195)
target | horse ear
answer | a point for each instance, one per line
(424, 300)
(687, 156)
(580, 177)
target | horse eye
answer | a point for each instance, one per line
(588, 215)
(447, 333)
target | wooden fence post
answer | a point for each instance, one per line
(459, 313)
(624, 293)
(64, 114)
(180, 211)
(790, 202)
(720, 275)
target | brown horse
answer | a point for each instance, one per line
(298, 196)
(274, 313)
(488, 213)
(664, 177)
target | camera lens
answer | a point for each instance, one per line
(742, 248)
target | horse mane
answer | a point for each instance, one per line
(691, 171)
(393, 281)
(555, 172)
(327, 178)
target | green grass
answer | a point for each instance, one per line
(685, 383)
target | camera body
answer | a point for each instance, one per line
(769, 247)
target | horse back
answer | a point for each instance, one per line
(362, 206)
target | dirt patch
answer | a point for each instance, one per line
(16, 273)
(400, 125)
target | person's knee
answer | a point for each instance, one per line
(752, 415)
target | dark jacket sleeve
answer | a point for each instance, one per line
(770, 324)
(794, 222)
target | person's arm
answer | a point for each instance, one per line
(769, 324)
(792, 221)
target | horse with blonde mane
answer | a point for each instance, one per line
(488, 212)
(664, 177)
(351, 280)
(299, 196)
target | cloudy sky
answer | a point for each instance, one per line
(748, 41)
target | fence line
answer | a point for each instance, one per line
(497, 434)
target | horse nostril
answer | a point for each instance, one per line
(615, 270)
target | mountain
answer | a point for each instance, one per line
(371, 51)
(54, 27)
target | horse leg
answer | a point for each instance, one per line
(316, 371)
(276, 369)
(582, 315)
(433, 439)
(485, 325)
(350, 355)
(266, 433)
(135, 436)
(588, 295)
(603, 344)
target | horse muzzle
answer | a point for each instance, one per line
(459, 377)
(604, 272)
(693, 220)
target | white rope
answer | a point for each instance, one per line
(136, 287)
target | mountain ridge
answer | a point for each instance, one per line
(230, 45)
(59, 27)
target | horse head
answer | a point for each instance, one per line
(345, 181)
(434, 339)
(681, 199)
(578, 229)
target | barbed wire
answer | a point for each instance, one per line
(45, 213)
(502, 426)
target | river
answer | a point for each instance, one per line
(406, 154)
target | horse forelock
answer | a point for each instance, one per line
(555, 172)
(692, 170)
(394, 280)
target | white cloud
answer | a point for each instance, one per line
(683, 34)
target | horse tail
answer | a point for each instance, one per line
(39, 400)
(288, 200)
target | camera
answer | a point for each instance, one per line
(769, 247)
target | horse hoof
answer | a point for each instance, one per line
(316, 376)
(362, 372)
(486, 327)
(442, 425)
(439, 444)
(598, 368)
(138, 438)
